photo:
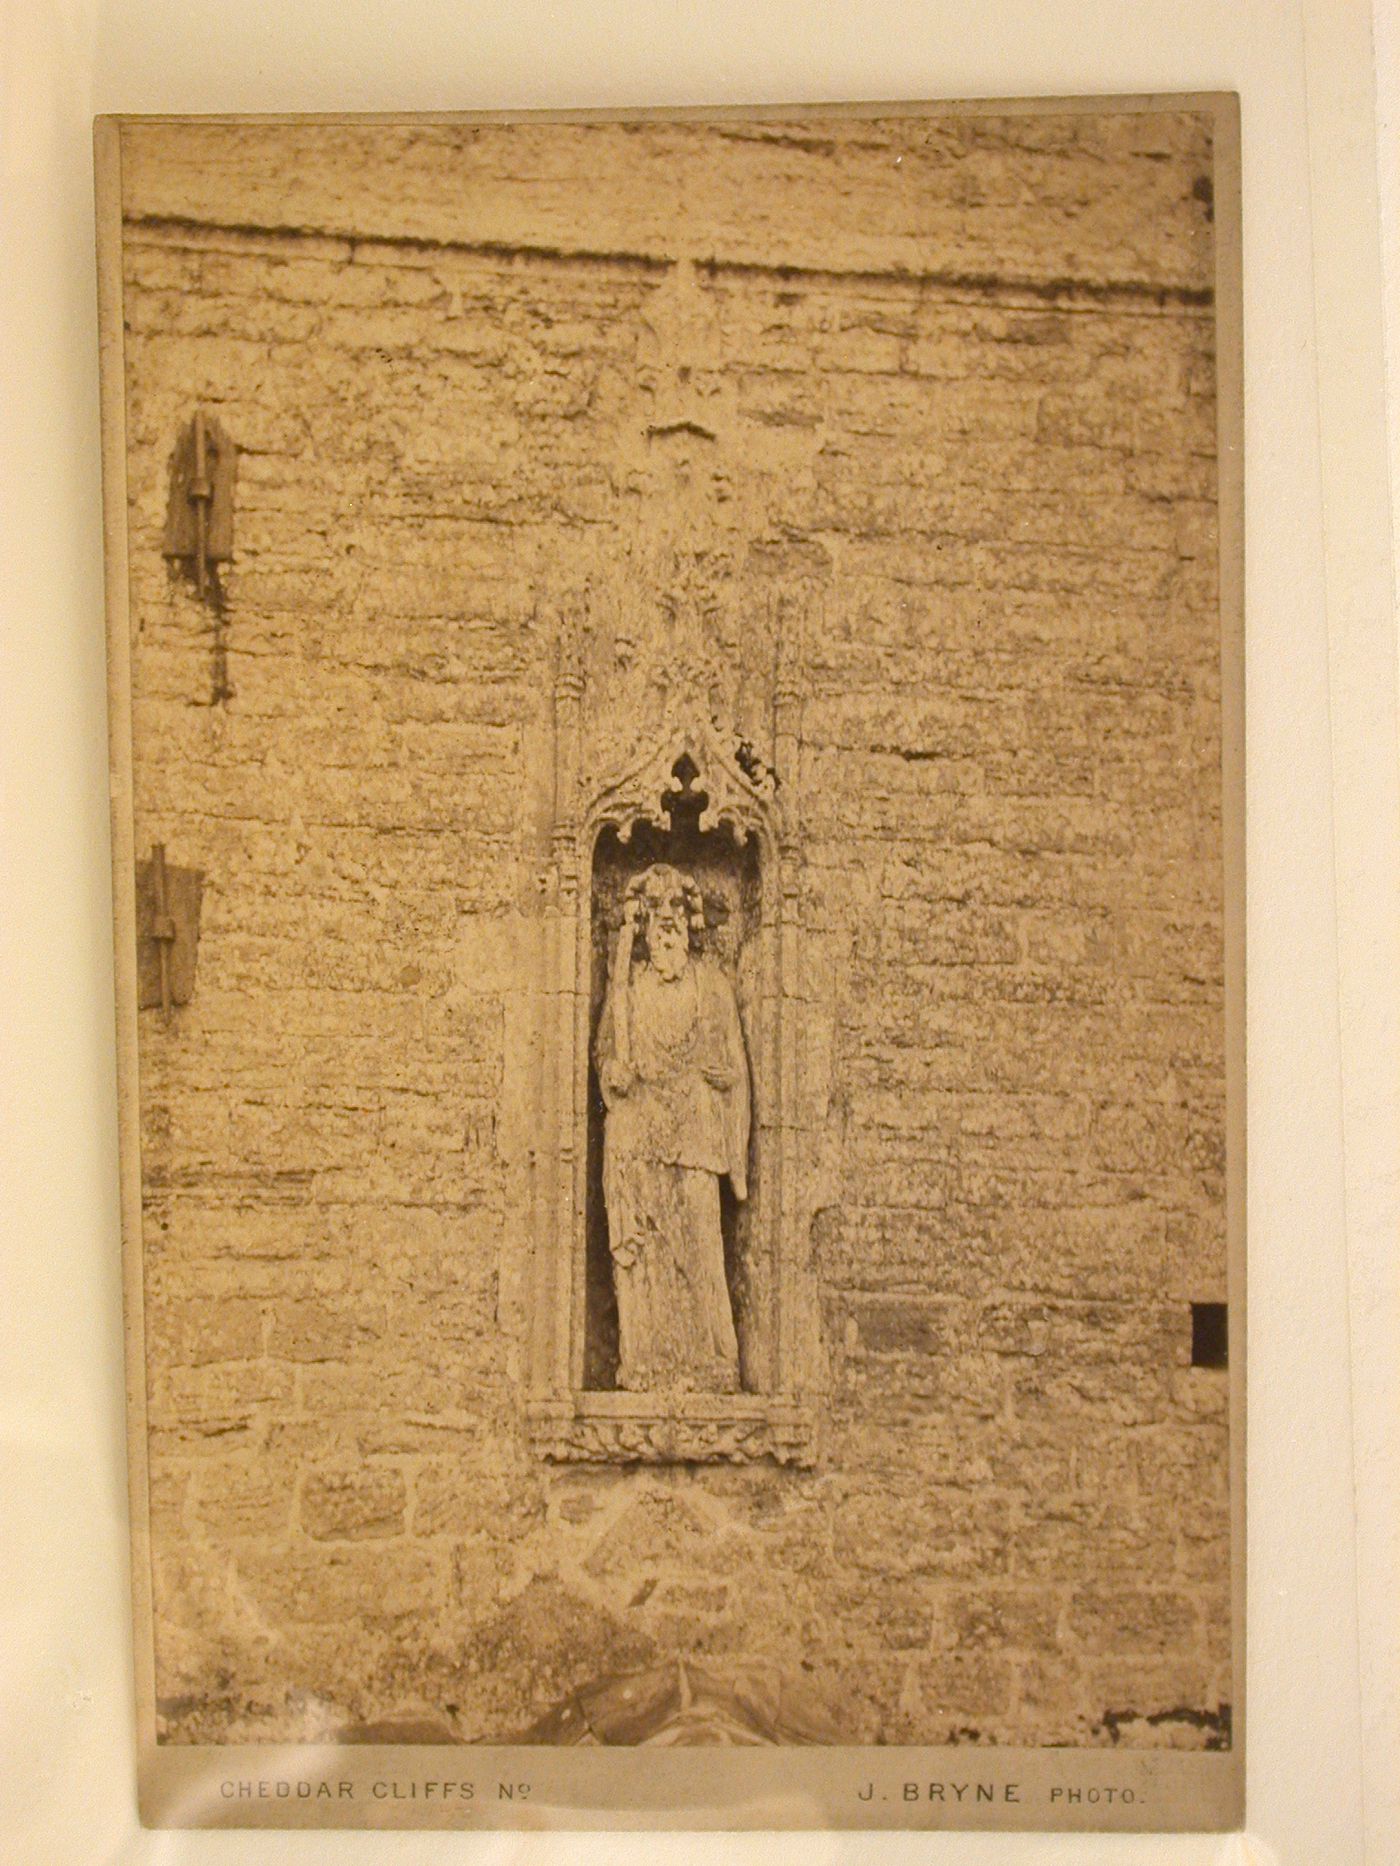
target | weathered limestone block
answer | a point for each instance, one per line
(254, 1499)
(326, 1585)
(1131, 1620)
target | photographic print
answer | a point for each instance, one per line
(676, 720)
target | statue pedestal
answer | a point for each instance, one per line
(680, 1428)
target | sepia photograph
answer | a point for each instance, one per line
(677, 748)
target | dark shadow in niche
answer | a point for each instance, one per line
(729, 876)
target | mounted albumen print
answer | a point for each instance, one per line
(676, 743)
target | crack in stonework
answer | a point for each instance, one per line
(1099, 291)
(413, 242)
(1050, 290)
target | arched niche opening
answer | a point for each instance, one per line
(729, 871)
(702, 801)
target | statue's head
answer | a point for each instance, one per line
(669, 915)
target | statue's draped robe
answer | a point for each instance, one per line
(667, 1142)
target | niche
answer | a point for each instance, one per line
(729, 876)
(700, 801)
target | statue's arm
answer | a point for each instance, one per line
(612, 1046)
(739, 1063)
(604, 1040)
(732, 1080)
(605, 1052)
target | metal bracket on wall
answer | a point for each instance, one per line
(199, 519)
(167, 932)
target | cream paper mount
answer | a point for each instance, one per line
(676, 720)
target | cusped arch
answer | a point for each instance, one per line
(739, 790)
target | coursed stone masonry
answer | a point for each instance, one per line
(930, 403)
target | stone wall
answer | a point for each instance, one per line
(929, 403)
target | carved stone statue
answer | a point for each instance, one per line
(675, 1080)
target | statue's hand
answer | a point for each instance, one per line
(616, 1079)
(719, 1078)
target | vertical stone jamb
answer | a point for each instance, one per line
(786, 1073)
(559, 1073)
